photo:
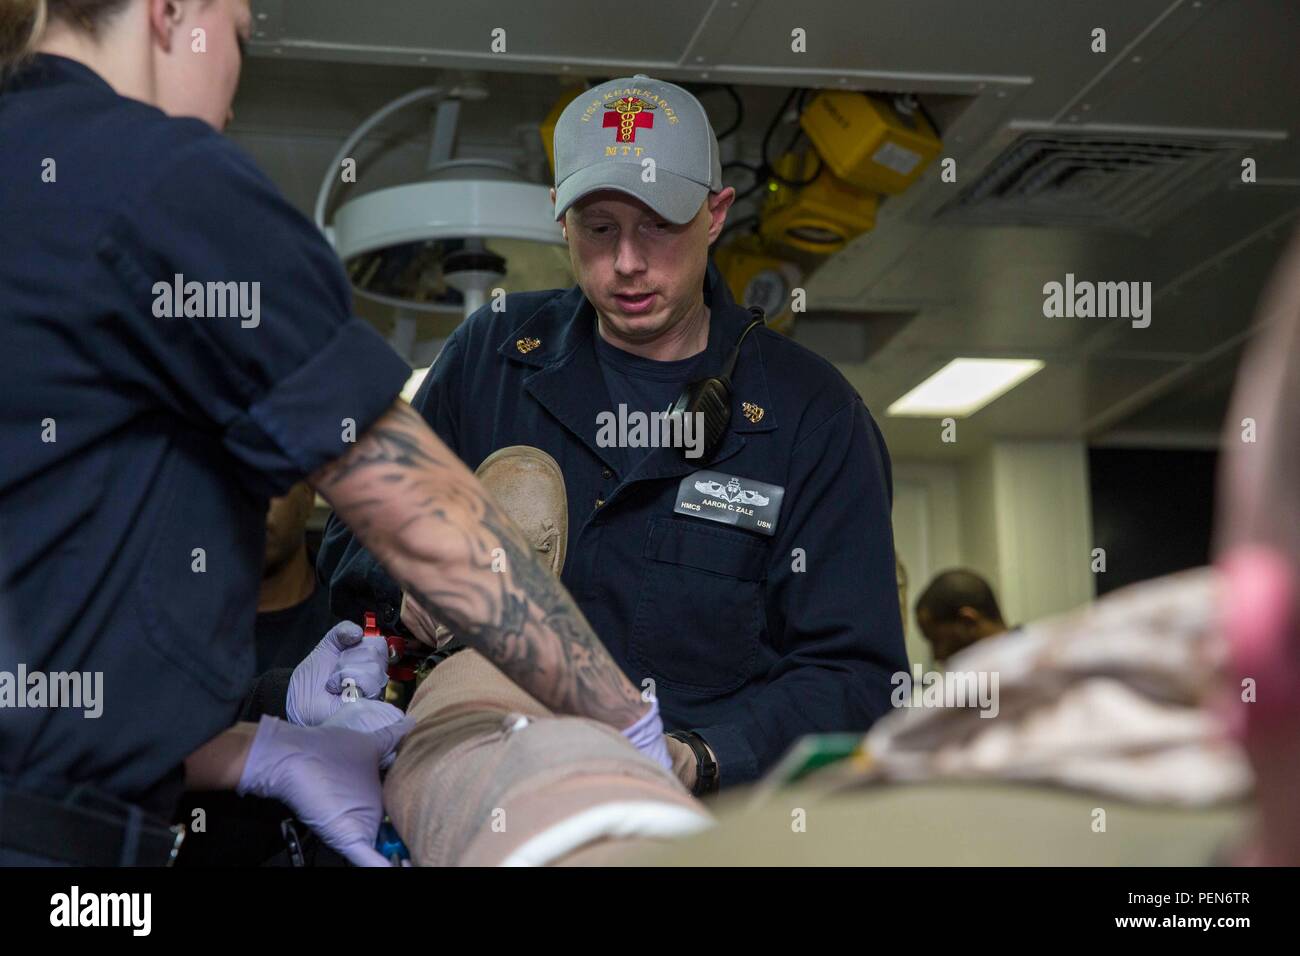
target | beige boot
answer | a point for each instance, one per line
(528, 486)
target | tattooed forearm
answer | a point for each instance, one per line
(420, 512)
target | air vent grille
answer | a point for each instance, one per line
(1122, 182)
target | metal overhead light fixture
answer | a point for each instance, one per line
(437, 246)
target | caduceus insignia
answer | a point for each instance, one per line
(631, 104)
(627, 115)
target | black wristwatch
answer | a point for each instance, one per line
(706, 768)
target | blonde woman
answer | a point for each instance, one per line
(179, 348)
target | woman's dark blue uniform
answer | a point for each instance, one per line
(139, 451)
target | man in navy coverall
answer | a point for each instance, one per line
(753, 594)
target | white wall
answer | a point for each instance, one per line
(927, 536)
(979, 518)
(1017, 513)
(1044, 527)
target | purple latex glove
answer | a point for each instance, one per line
(647, 735)
(328, 776)
(316, 687)
(367, 716)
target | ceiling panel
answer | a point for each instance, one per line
(1008, 65)
(1191, 411)
(542, 31)
(930, 38)
(1233, 67)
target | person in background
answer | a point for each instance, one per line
(292, 611)
(957, 609)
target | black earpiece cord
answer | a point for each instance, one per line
(735, 353)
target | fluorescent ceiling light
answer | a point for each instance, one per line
(414, 382)
(963, 387)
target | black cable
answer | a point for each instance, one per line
(771, 128)
(697, 88)
(730, 368)
(758, 184)
(764, 171)
(736, 224)
(798, 127)
(767, 145)
(756, 171)
(928, 118)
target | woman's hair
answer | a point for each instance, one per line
(23, 21)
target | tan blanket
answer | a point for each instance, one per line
(1118, 698)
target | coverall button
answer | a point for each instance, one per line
(606, 473)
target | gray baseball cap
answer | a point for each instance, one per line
(605, 135)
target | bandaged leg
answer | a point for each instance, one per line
(489, 776)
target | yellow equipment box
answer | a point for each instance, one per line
(821, 217)
(759, 278)
(868, 143)
(547, 129)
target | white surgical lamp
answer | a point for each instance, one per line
(440, 245)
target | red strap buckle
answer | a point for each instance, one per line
(396, 649)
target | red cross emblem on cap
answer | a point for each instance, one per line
(628, 114)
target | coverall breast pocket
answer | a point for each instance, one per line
(700, 610)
